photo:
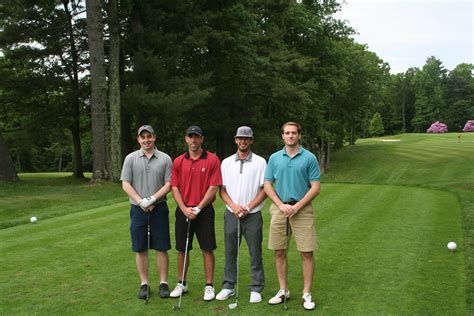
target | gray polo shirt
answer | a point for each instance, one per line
(146, 176)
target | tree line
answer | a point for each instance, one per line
(77, 78)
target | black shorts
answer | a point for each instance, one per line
(159, 228)
(202, 226)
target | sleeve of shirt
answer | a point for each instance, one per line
(127, 170)
(314, 172)
(216, 175)
(175, 173)
(269, 171)
(168, 167)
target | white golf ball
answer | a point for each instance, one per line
(33, 219)
(452, 246)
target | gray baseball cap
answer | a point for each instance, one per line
(244, 131)
(147, 128)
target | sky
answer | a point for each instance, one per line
(405, 33)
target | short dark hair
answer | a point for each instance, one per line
(298, 126)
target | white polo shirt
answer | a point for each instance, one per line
(243, 179)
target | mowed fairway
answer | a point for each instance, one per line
(383, 225)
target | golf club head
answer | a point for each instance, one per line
(233, 305)
(175, 307)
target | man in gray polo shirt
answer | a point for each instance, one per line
(242, 191)
(146, 176)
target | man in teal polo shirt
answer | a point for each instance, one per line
(292, 182)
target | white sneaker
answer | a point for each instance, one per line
(279, 297)
(225, 294)
(255, 297)
(179, 290)
(209, 294)
(308, 303)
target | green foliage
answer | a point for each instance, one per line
(376, 125)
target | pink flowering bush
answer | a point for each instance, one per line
(469, 127)
(437, 127)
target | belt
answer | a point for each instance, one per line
(291, 202)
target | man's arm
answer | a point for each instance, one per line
(271, 193)
(308, 197)
(261, 196)
(161, 193)
(209, 196)
(128, 188)
(187, 211)
(236, 209)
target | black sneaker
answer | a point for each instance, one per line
(164, 290)
(144, 292)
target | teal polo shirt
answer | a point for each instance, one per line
(292, 177)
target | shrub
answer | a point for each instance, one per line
(437, 127)
(469, 127)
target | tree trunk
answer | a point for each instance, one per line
(75, 103)
(114, 92)
(328, 155)
(322, 158)
(98, 90)
(7, 170)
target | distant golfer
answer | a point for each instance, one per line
(242, 191)
(292, 182)
(196, 177)
(146, 175)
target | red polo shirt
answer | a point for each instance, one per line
(194, 177)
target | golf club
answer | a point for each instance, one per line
(234, 305)
(148, 260)
(287, 252)
(176, 307)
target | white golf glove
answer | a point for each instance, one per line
(144, 203)
(196, 210)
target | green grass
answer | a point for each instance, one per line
(384, 217)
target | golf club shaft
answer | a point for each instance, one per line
(238, 256)
(184, 263)
(286, 258)
(148, 259)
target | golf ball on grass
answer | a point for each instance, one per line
(452, 246)
(33, 219)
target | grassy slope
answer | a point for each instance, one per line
(421, 160)
(382, 247)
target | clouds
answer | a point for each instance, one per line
(404, 33)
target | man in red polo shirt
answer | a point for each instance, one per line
(195, 180)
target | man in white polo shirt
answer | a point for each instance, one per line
(242, 191)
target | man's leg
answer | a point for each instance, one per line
(281, 267)
(209, 260)
(162, 261)
(230, 269)
(141, 259)
(252, 231)
(308, 270)
(181, 264)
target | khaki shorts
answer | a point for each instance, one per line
(302, 227)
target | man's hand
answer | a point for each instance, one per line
(189, 212)
(240, 211)
(288, 210)
(146, 202)
(149, 209)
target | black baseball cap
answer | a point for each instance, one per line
(194, 129)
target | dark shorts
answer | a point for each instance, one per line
(202, 226)
(159, 228)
